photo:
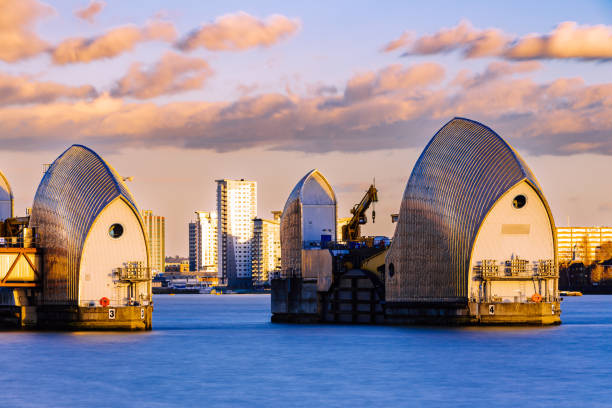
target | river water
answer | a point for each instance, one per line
(212, 351)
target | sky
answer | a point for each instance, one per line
(179, 94)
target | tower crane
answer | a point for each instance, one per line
(352, 230)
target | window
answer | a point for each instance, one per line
(115, 230)
(391, 270)
(519, 201)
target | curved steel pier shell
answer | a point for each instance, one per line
(461, 174)
(309, 213)
(74, 190)
(6, 198)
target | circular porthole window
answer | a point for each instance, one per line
(519, 201)
(115, 230)
(391, 270)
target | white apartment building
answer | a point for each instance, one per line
(155, 228)
(581, 243)
(203, 242)
(266, 249)
(236, 208)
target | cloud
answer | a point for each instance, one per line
(566, 40)
(21, 90)
(244, 89)
(90, 12)
(473, 42)
(395, 107)
(114, 42)
(17, 20)
(494, 71)
(174, 73)
(391, 79)
(240, 31)
(403, 40)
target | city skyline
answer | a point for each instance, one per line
(303, 87)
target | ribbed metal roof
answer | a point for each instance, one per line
(6, 198)
(463, 171)
(74, 190)
(291, 223)
(297, 192)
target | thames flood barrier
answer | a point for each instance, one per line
(80, 259)
(474, 244)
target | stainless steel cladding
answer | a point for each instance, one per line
(462, 172)
(309, 217)
(74, 190)
(6, 198)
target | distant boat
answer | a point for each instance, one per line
(570, 293)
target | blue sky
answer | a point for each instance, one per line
(257, 115)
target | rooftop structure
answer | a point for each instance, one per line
(6, 198)
(95, 246)
(472, 213)
(308, 220)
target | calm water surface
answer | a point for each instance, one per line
(223, 351)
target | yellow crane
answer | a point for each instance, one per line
(352, 231)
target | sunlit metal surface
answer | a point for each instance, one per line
(6, 198)
(292, 219)
(463, 171)
(74, 190)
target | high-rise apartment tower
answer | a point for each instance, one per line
(266, 250)
(236, 208)
(203, 242)
(155, 228)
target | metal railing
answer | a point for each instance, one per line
(140, 301)
(17, 242)
(132, 273)
(516, 268)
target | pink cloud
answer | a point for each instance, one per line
(22, 90)
(174, 73)
(393, 78)
(17, 21)
(567, 40)
(473, 42)
(402, 41)
(496, 70)
(394, 107)
(90, 12)
(240, 31)
(114, 42)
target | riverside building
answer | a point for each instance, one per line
(203, 242)
(155, 227)
(266, 249)
(236, 209)
(582, 243)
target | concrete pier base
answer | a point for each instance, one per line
(295, 300)
(61, 317)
